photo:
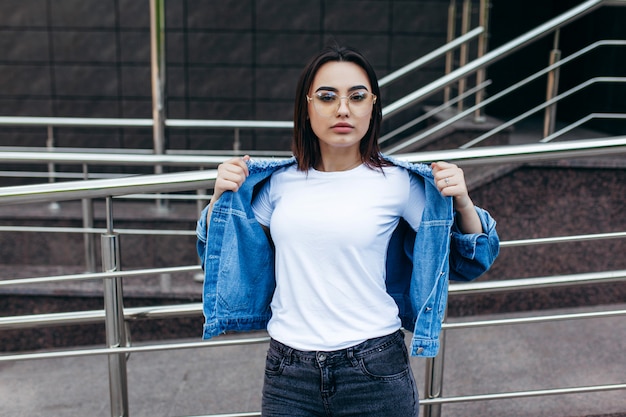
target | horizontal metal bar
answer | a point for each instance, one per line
(561, 239)
(58, 175)
(222, 153)
(134, 349)
(98, 275)
(97, 316)
(73, 121)
(229, 124)
(106, 158)
(179, 197)
(127, 122)
(532, 320)
(522, 153)
(169, 232)
(51, 319)
(75, 190)
(251, 414)
(82, 230)
(535, 283)
(523, 394)
(68, 149)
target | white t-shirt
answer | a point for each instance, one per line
(331, 231)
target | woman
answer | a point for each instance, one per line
(335, 250)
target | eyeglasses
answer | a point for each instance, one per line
(327, 103)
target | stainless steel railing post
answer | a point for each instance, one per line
(53, 206)
(466, 17)
(434, 379)
(114, 318)
(450, 54)
(88, 238)
(552, 89)
(483, 21)
(237, 141)
(157, 64)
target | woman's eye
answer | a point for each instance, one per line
(327, 97)
(358, 96)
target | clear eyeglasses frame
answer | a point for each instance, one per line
(327, 103)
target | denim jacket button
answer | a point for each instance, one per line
(428, 309)
(419, 350)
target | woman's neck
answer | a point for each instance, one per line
(338, 161)
(339, 165)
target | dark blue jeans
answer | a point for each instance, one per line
(373, 379)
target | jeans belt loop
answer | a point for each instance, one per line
(350, 354)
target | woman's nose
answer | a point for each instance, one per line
(343, 106)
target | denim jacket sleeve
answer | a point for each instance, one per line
(238, 267)
(471, 255)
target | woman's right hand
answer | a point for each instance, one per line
(230, 175)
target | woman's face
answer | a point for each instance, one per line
(340, 106)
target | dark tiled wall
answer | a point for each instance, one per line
(228, 59)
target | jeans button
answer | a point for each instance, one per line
(321, 357)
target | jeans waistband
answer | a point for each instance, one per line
(357, 351)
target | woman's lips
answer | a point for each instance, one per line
(342, 128)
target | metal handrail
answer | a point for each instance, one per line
(204, 179)
(536, 283)
(191, 309)
(498, 54)
(98, 275)
(523, 394)
(533, 319)
(106, 158)
(562, 239)
(497, 96)
(542, 106)
(97, 230)
(129, 122)
(96, 316)
(75, 190)
(582, 121)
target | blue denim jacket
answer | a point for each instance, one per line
(238, 261)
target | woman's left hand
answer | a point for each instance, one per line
(450, 181)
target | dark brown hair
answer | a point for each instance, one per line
(305, 144)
